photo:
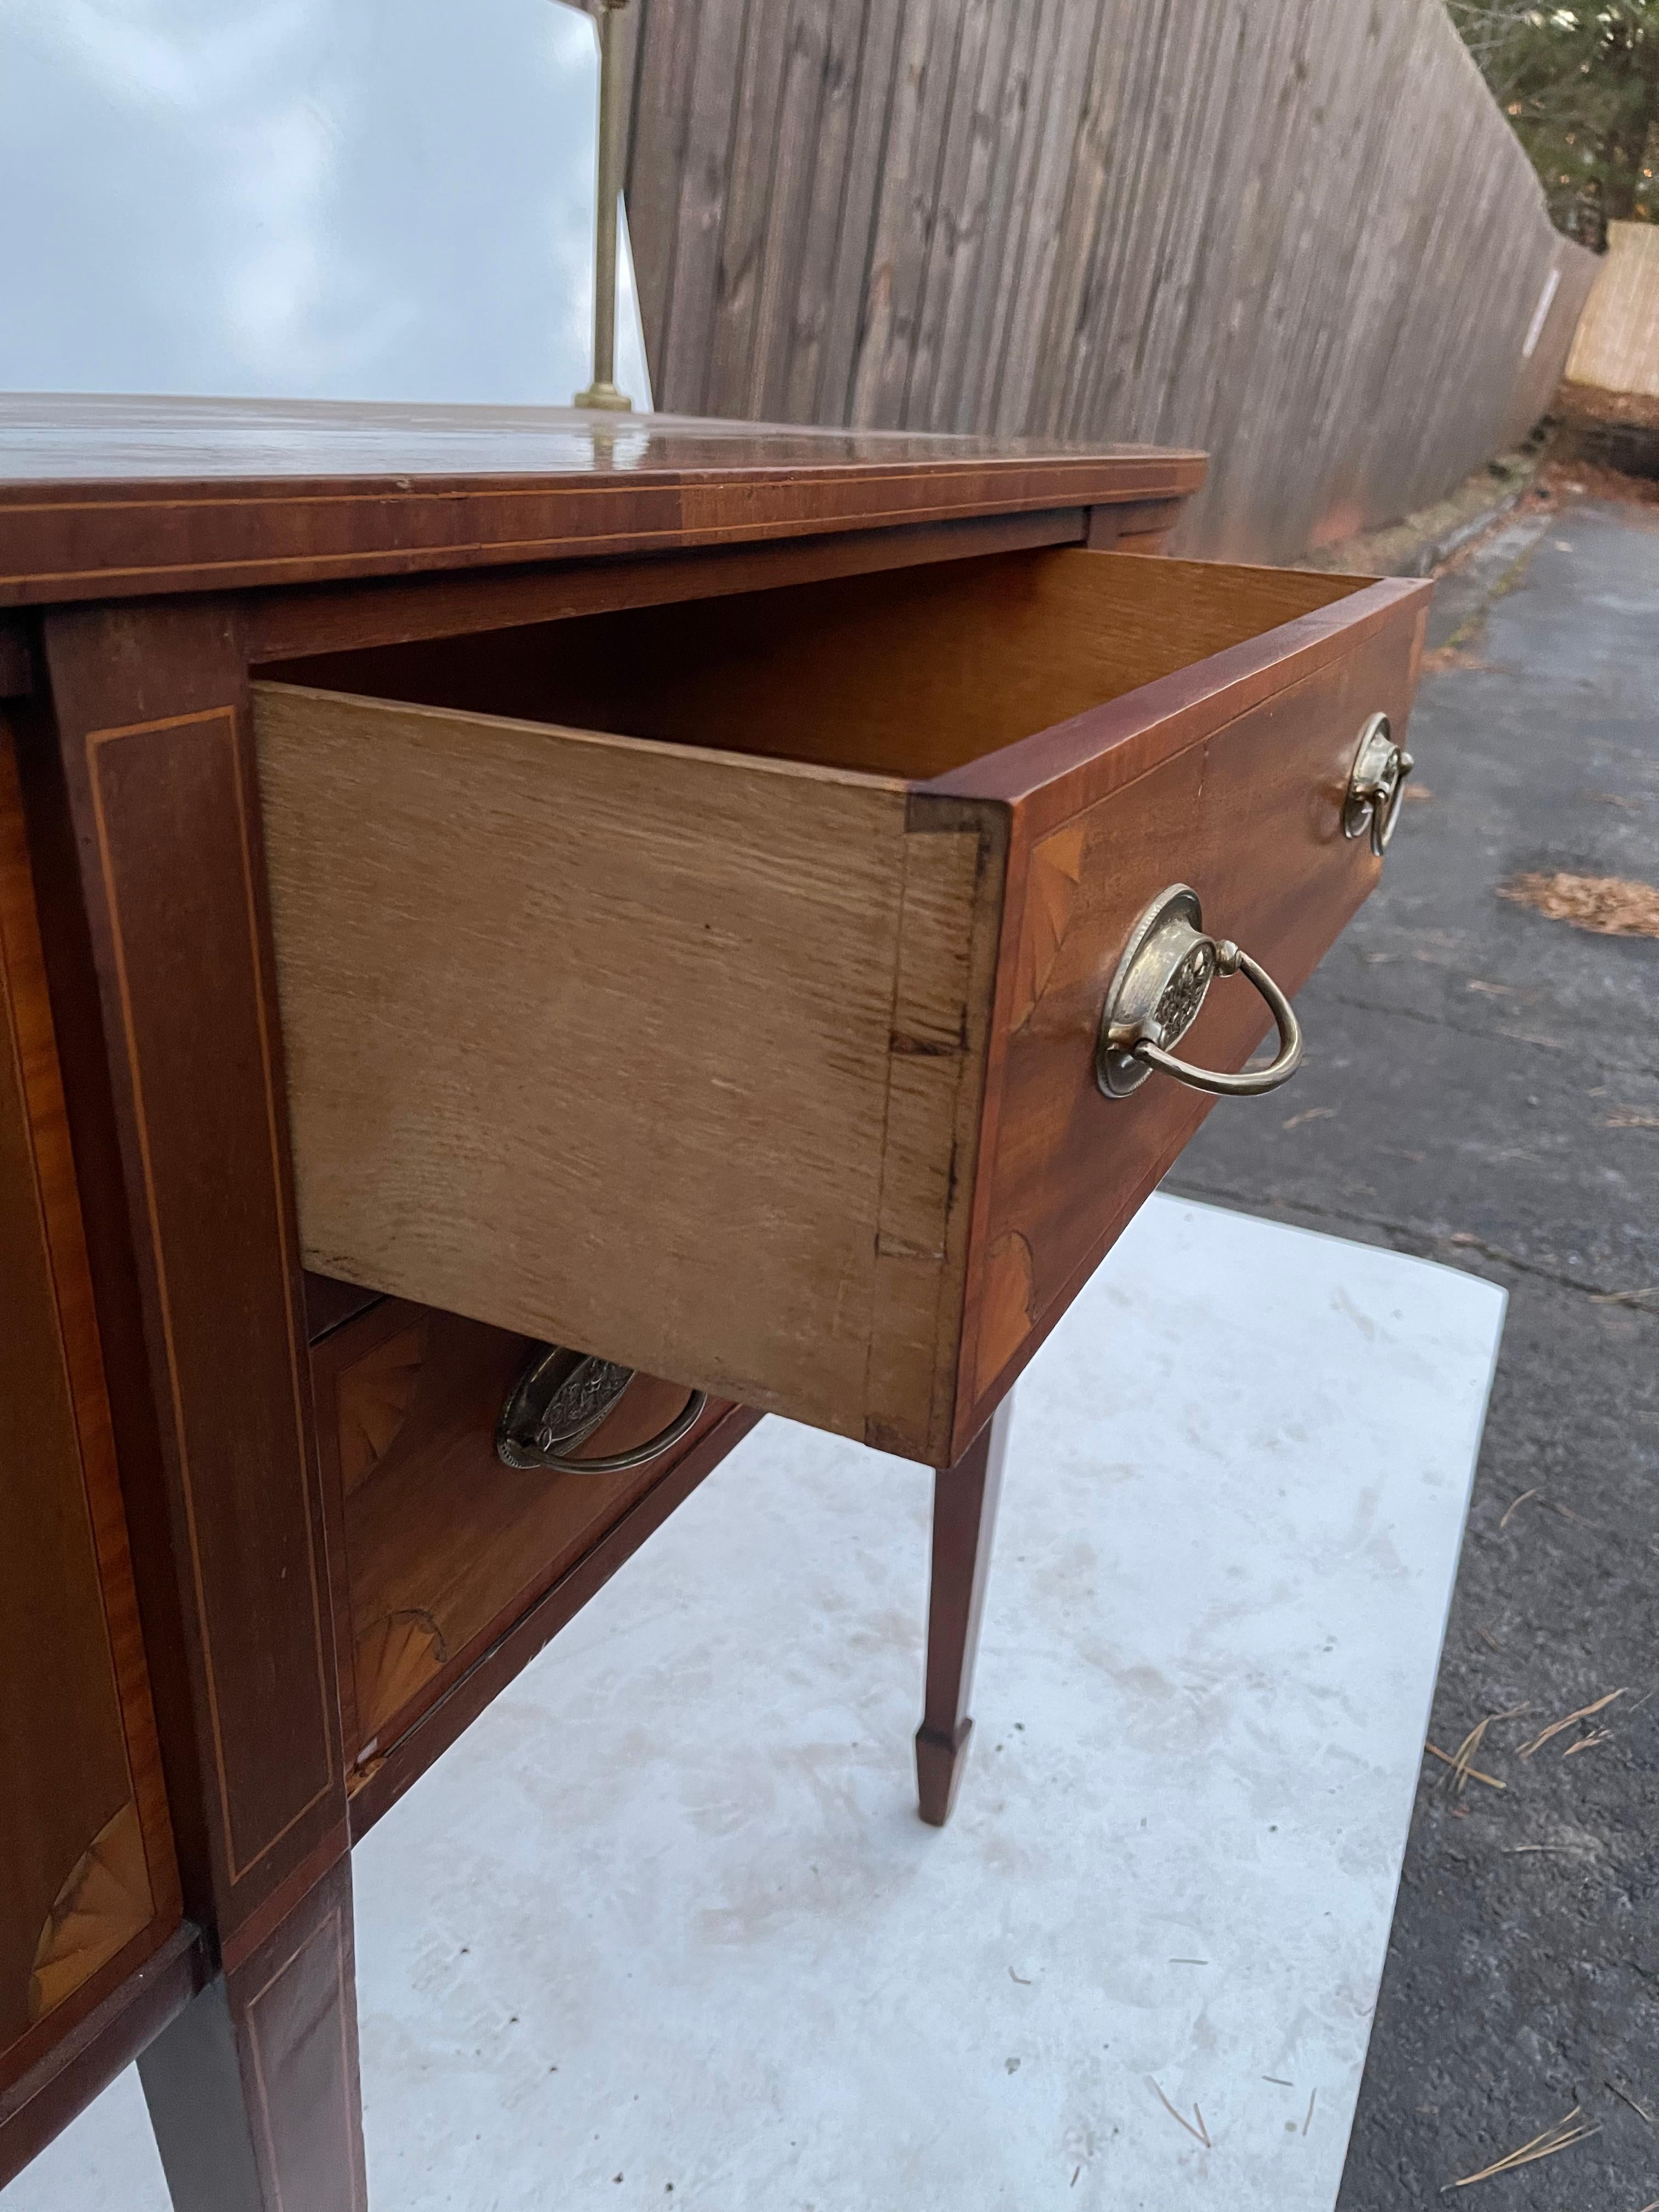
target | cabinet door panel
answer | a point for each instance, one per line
(87, 1882)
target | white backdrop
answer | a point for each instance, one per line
(666, 1914)
(344, 199)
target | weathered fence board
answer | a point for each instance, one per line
(1296, 231)
(1617, 348)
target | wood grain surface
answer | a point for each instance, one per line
(330, 1303)
(106, 498)
(954, 866)
(252, 2088)
(768, 984)
(147, 738)
(630, 1002)
(736, 1141)
(1053, 772)
(966, 1499)
(140, 777)
(1248, 813)
(911, 674)
(89, 1886)
(380, 1783)
(444, 1547)
(82, 2062)
(16, 668)
(307, 625)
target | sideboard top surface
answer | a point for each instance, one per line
(104, 497)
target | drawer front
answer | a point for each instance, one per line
(1250, 814)
(442, 1548)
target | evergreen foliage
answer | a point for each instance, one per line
(1581, 86)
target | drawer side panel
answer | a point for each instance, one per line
(589, 1037)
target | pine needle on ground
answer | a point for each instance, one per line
(1625, 2098)
(1556, 1727)
(1562, 2137)
(1463, 1759)
(1198, 2134)
(1446, 1760)
(1588, 1742)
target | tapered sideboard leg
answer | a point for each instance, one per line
(253, 2092)
(965, 1519)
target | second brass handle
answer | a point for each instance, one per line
(560, 1399)
(1162, 981)
(1249, 1082)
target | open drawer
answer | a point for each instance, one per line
(717, 985)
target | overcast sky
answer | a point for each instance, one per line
(369, 199)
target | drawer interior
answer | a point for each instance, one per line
(908, 674)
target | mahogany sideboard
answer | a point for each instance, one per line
(479, 881)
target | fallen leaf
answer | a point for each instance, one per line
(1614, 906)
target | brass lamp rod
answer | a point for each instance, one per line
(613, 126)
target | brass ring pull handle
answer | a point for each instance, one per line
(560, 1399)
(1376, 783)
(1167, 969)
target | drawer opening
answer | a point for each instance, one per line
(910, 673)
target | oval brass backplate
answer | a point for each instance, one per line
(1375, 784)
(559, 1400)
(1167, 966)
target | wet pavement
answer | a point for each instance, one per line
(1482, 1088)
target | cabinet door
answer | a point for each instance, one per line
(89, 1886)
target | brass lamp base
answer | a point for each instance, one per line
(606, 396)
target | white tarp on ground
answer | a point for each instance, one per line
(663, 1929)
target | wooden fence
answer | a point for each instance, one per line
(1297, 232)
(1617, 348)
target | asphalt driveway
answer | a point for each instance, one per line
(1483, 1088)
